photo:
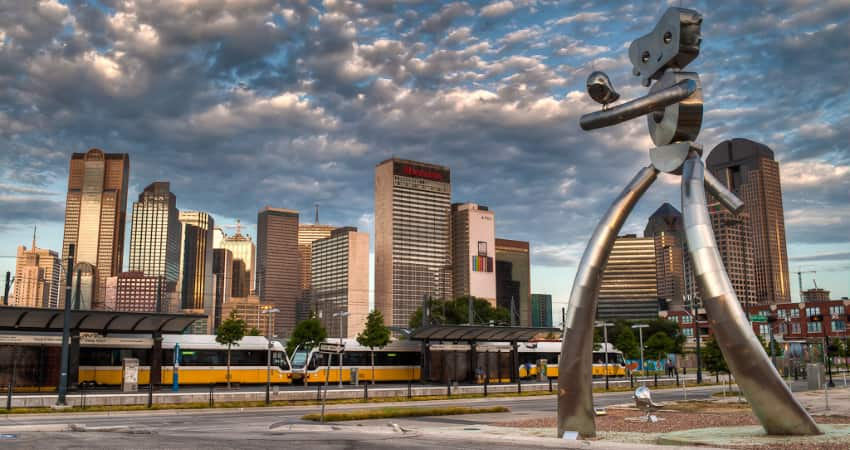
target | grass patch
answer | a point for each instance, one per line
(392, 412)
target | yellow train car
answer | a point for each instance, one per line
(398, 361)
(202, 360)
(530, 353)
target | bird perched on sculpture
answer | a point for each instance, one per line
(600, 88)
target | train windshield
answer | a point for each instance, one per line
(613, 358)
(299, 359)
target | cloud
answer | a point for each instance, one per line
(841, 256)
(497, 9)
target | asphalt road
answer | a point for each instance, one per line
(269, 427)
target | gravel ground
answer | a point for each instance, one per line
(675, 417)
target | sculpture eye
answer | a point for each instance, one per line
(668, 37)
(644, 57)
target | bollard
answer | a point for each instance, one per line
(677, 377)
(150, 394)
(519, 385)
(448, 387)
(365, 392)
(656, 379)
(486, 382)
(212, 400)
(409, 389)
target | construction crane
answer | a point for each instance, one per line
(237, 225)
(800, 279)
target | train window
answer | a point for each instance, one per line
(279, 360)
(112, 356)
(356, 359)
(397, 358)
(299, 359)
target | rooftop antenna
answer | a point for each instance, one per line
(317, 213)
(238, 227)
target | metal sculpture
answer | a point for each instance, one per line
(643, 402)
(674, 116)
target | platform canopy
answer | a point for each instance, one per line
(14, 318)
(480, 333)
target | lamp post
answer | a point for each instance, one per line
(605, 326)
(340, 314)
(270, 321)
(640, 328)
(695, 315)
(66, 328)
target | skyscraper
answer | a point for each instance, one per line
(196, 259)
(665, 227)
(735, 244)
(412, 248)
(244, 260)
(473, 251)
(541, 310)
(155, 233)
(513, 279)
(628, 289)
(223, 280)
(136, 291)
(278, 265)
(749, 169)
(95, 214)
(36, 278)
(307, 235)
(340, 281)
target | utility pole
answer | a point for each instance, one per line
(66, 328)
(640, 328)
(6, 290)
(513, 312)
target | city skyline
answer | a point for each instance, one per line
(510, 136)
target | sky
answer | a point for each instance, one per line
(247, 103)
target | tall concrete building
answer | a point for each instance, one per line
(196, 260)
(155, 234)
(138, 292)
(749, 169)
(473, 252)
(340, 281)
(307, 235)
(222, 280)
(541, 310)
(244, 260)
(412, 247)
(629, 289)
(95, 215)
(278, 265)
(37, 273)
(513, 279)
(735, 244)
(665, 227)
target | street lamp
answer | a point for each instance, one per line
(340, 314)
(270, 322)
(695, 316)
(640, 328)
(605, 326)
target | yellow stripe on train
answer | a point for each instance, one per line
(110, 375)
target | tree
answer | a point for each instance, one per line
(375, 334)
(670, 328)
(659, 345)
(229, 333)
(712, 357)
(627, 343)
(456, 312)
(254, 332)
(307, 333)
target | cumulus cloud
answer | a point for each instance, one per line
(497, 9)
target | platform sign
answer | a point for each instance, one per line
(175, 373)
(130, 375)
(331, 348)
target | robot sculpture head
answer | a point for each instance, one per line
(673, 44)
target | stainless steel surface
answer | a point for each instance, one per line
(771, 400)
(600, 88)
(723, 195)
(672, 44)
(669, 158)
(639, 106)
(680, 121)
(575, 398)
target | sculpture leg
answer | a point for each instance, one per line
(771, 400)
(575, 384)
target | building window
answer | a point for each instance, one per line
(764, 330)
(688, 332)
(836, 310)
(674, 319)
(783, 328)
(795, 327)
(839, 325)
(812, 311)
(815, 327)
(795, 312)
(686, 319)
